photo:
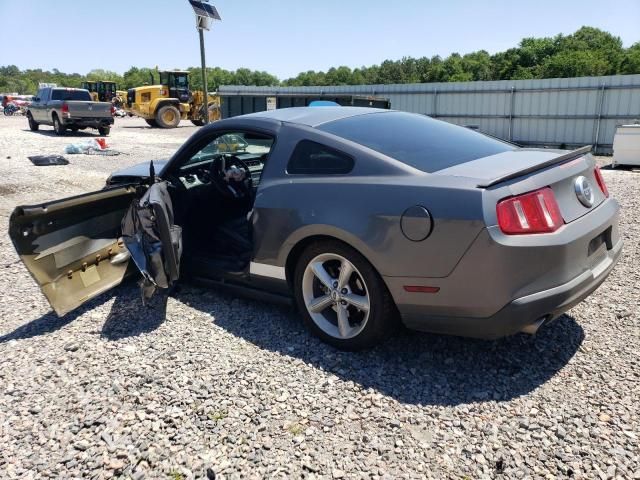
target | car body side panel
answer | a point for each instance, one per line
(499, 269)
(363, 209)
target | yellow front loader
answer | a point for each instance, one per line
(101, 91)
(165, 104)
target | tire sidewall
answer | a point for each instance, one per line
(59, 129)
(381, 313)
(32, 124)
(161, 123)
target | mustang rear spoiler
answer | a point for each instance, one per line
(554, 161)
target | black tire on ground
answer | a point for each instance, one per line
(151, 123)
(74, 129)
(168, 117)
(57, 126)
(104, 131)
(383, 316)
(197, 123)
(33, 125)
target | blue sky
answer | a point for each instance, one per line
(285, 37)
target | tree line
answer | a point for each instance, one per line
(587, 52)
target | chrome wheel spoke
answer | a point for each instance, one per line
(343, 321)
(321, 274)
(317, 305)
(361, 302)
(346, 269)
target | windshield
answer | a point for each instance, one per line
(237, 144)
(417, 140)
(69, 95)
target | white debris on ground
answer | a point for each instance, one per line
(238, 388)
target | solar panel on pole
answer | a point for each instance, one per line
(205, 15)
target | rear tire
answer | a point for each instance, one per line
(331, 313)
(57, 126)
(33, 125)
(168, 117)
(104, 131)
(151, 123)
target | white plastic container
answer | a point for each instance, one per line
(626, 145)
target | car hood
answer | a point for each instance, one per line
(140, 170)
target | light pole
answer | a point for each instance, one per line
(205, 15)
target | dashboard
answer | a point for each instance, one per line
(197, 175)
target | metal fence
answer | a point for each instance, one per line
(557, 112)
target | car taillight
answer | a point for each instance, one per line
(113, 110)
(533, 212)
(65, 108)
(600, 180)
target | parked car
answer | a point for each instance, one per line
(69, 108)
(361, 216)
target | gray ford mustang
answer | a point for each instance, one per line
(362, 216)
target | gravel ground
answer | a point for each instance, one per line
(236, 388)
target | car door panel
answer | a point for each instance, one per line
(77, 248)
(71, 246)
(153, 239)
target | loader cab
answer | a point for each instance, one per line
(101, 91)
(93, 90)
(178, 83)
(106, 91)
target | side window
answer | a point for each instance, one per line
(311, 158)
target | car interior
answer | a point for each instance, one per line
(213, 193)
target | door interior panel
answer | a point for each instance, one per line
(71, 247)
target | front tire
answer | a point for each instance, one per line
(104, 131)
(57, 126)
(33, 125)
(341, 297)
(168, 117)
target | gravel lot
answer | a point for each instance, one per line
(238, 388)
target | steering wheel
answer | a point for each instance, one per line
(225, 185)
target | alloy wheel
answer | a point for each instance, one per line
(336, 296)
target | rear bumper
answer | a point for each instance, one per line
(88, 122)
(504, 284)
(522, 312)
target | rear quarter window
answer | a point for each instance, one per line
(71, 95)
(417, 140)
(312, 158)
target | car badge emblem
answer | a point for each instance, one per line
(90, 107)
(584, 191)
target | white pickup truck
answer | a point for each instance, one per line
(69, 108)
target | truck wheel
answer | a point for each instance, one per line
(104, 131)
(33, 125)
(168, 117)
(57, 126)
(151, 123)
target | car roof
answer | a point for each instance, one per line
(314, 116)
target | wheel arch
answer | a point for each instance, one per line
(167, 102)
(298, 246)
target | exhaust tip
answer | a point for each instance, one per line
(532, 329)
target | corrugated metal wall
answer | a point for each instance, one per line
(564, 112)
